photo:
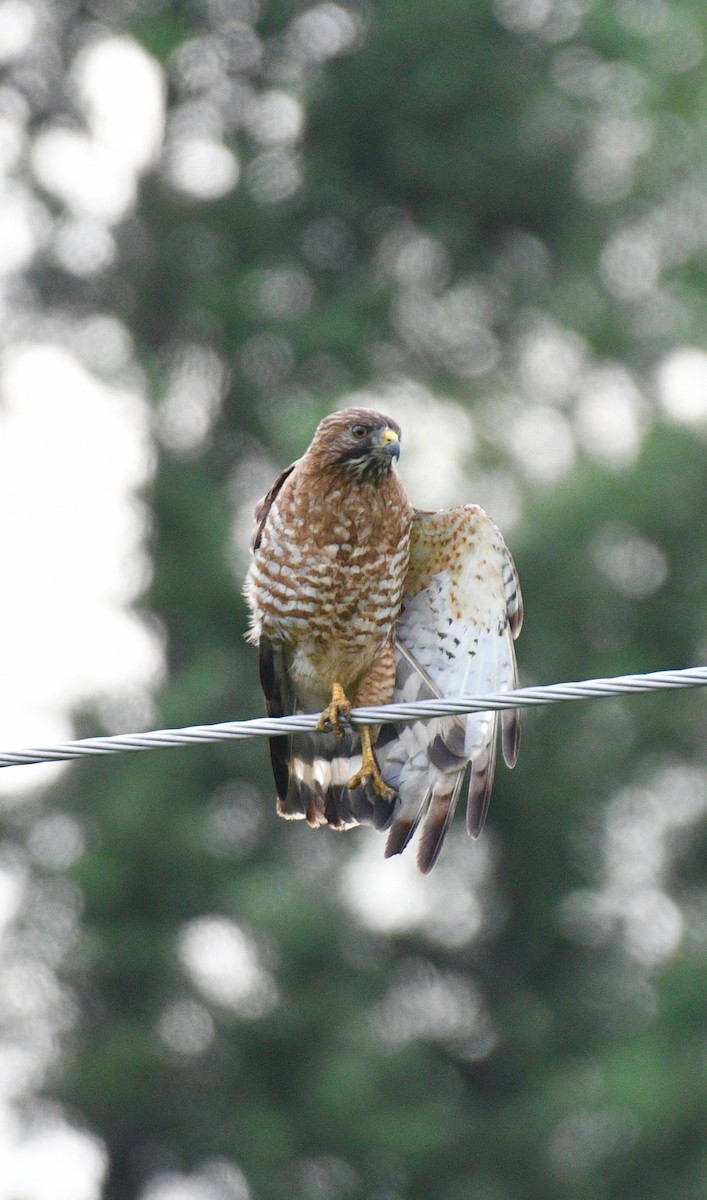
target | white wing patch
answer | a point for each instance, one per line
(461, 612)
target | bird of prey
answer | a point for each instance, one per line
(358, 599)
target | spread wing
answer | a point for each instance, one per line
(461, 612)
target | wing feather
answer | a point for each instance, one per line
(510, 718)
(481, 776)
(279, 702)
(442, 805)
(262, 508)
(461, 612)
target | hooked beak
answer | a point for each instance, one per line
(390, 443)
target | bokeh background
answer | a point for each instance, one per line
(220, 219)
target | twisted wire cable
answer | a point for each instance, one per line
(588, 689)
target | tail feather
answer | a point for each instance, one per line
(319, 769)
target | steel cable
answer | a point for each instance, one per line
(526, 697)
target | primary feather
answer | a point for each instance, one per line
(461, 612)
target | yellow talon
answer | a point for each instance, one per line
(369, 770)
(339, 707)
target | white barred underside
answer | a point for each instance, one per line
(329, 591)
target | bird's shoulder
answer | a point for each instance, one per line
(263, 508)
(457, 541)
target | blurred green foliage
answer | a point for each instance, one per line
(473, 178)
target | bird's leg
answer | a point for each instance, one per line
(370, 770)
(339, 707)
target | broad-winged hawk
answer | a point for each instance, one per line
(358, 599)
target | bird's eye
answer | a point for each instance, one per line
(359, 431)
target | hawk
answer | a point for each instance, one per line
(358, 599)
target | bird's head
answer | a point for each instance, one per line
(359, 440)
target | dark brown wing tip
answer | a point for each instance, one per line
(280, 751)
(510, 742)
(480, 788)
(476, 827)
(399, 837)
(437, 822)
(477, 810)
(430, 846)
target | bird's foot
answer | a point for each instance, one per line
(370, 771)
(335, 712)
